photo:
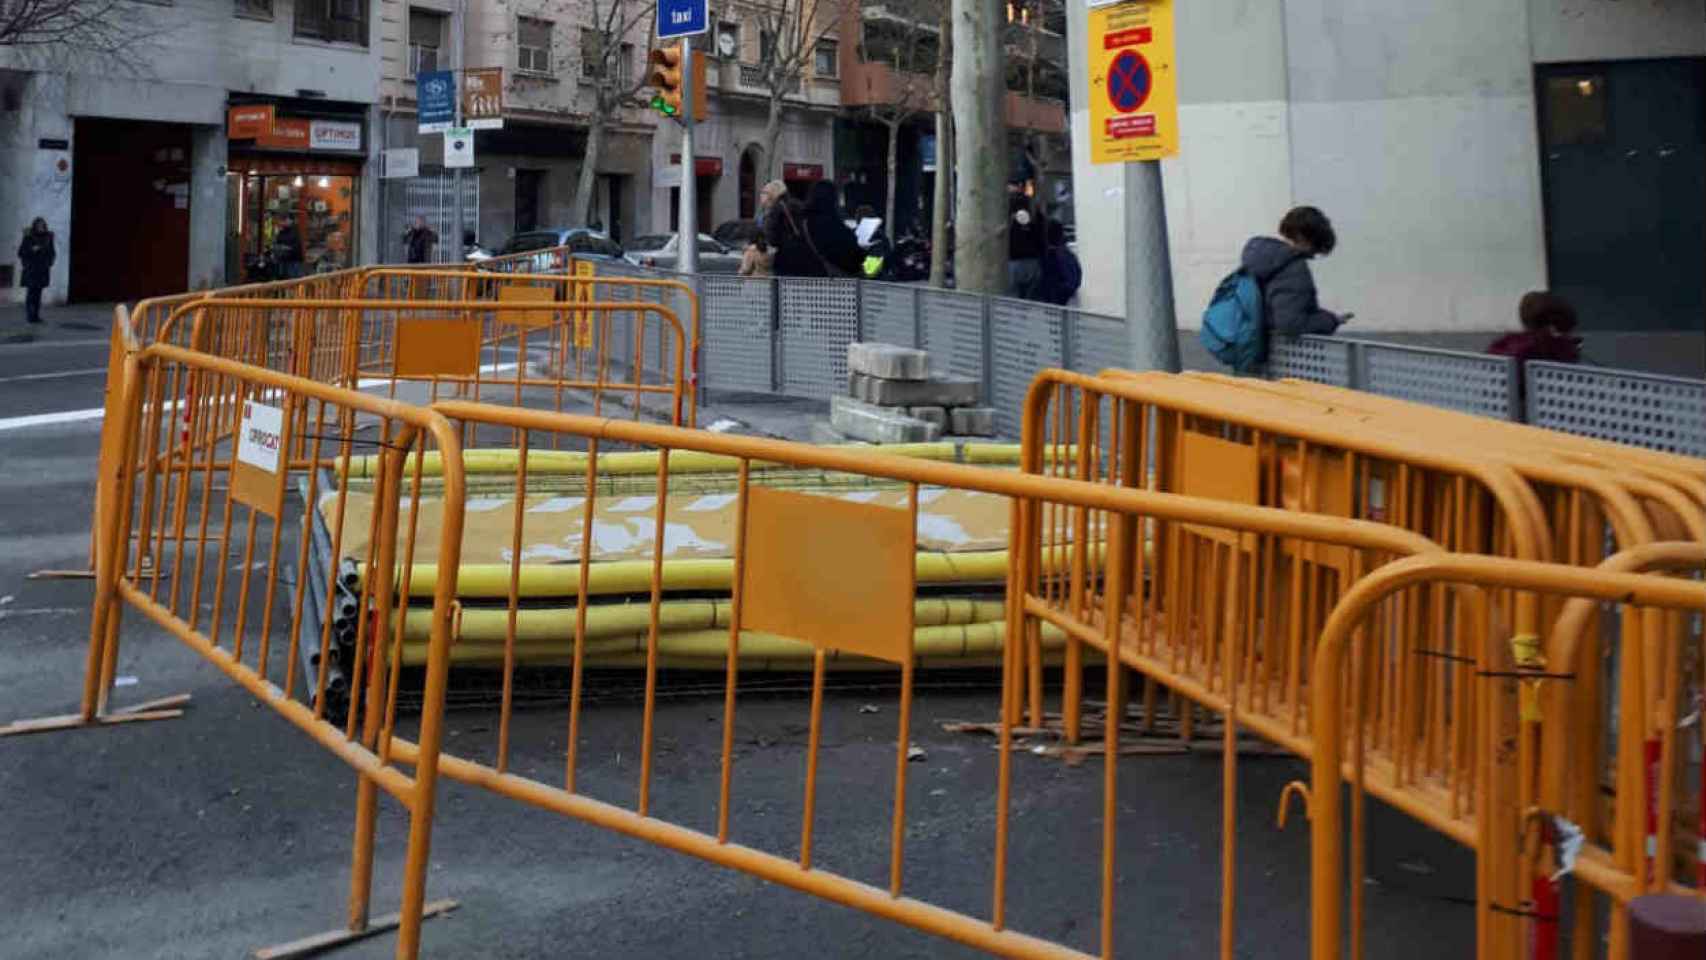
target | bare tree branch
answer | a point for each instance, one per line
(56, 31)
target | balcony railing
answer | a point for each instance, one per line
(752, 76)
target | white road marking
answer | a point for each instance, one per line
(95, 413)
(54, 376)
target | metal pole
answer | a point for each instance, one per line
(687, 239)
(458, 19)
(1149, 310)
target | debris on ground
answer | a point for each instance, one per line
(1164, 736)
(915, 753)
(869, 708)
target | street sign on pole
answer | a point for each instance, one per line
(1134, 91)
(458, 147)
(435, 92)
(682, 18)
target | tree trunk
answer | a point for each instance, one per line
(944, 180)
(894, 168)
(582, 210)
(772, 134)
(980, 140)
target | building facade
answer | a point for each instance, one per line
(132, 160)
(730, 154)
(888, 84)
(1466, 150)
(526, 174)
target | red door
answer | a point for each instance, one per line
(130, 212)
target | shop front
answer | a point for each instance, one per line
(293, 189)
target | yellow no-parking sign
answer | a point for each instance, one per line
(1134, 90)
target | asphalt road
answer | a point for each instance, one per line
(227, 830)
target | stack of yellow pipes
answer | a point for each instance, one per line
(958, 616)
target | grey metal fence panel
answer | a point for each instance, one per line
(736, 352)
(816, 320)
(1663, 413)
(1096, 342)
(1471, 382)
(1025, 338)
(952, 324)
(1326, 360)
(888, 313)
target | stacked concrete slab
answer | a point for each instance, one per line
(891, 398)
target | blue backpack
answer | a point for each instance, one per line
(1234, 329)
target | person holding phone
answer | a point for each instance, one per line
(1281, 266)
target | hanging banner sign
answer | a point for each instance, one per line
(483, 98)
(435, 98)
(1134, 93)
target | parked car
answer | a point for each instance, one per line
(659, 250)
(581, 241)
(736, 234)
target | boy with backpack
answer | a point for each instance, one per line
(1272, 289)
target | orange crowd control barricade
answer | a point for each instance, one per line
(832, 575)
(1518, 686)
(259, 453)
(1249, 442)
(1599, 498)
(640, 340)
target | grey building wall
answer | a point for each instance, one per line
(190, 56)
(1411, 124)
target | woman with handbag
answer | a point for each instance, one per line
(814, 240)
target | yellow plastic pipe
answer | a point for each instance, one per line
(547, 462)
(491, 580)
(938, 643)
(549, 624)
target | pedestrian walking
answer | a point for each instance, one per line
(418, 241)
(1024, 243)
(36, 254)
(1548, 321)
(1280, 266)
(815, 242)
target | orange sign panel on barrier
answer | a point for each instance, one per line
(528, 318)
(255, 470)
(1219, 470)
(437, 347)
(833, 573)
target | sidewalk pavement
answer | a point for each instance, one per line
(80, 321)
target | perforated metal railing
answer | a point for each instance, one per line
(789, 335)
(1663, 413)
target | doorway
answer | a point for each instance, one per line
(130, 210)
(1623, 169)
(528, 184)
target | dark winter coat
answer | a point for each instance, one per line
(1288, 289)
(816, 237)
(36, 253)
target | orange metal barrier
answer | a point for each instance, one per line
(255, 429)
(1510, 676)
(577, 286)
(1599, 498)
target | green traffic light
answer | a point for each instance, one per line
(660, 106)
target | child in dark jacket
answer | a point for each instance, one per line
(1547, 322)
(1281, 267)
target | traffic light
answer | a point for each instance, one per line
(663, 74)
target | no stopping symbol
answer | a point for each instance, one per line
(1129, 81)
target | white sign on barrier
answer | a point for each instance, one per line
(261, 434)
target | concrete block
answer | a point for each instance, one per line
(862, 421)
(888, 361)
(856, 387)
(921, 393)
(936, 415)
(974, 421)
(824, 434)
